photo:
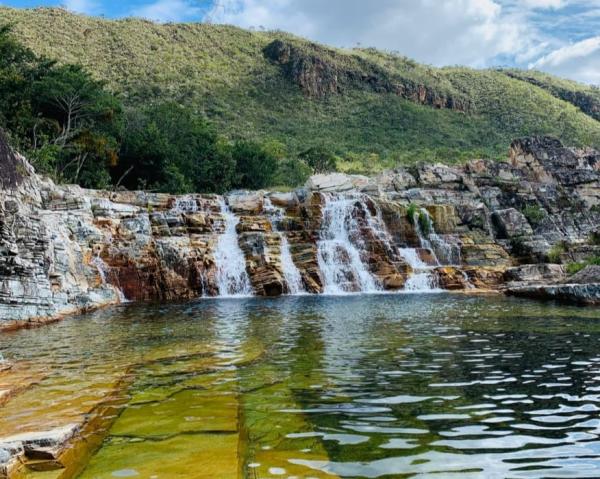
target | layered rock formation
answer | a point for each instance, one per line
(321, 72)
(63, 248)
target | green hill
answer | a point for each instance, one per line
(372, 108)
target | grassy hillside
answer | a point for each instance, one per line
(372, 108)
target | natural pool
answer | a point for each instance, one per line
(316, 387)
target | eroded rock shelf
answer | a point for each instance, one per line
(66, 249)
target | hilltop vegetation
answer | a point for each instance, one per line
(370, 109)
(75, 130)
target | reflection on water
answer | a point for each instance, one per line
(353, 387)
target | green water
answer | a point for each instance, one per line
(317, 387)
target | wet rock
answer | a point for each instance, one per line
(444, 217)
(452, 278)
(285, 200)
(65, 249)
(585, 294)
(40, 450)
(536, 273)
(485, 254)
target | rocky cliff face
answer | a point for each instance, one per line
(63, 248)
(318, 75)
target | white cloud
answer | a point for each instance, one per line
(580, 61)
(82, 6)
(545, 34)
(168, 11)
(471, 32)
(542, 4)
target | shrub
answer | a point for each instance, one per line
(256, 166)
(534, 214)
(573, 268)
(411, 212)
(319, 159)
(424, 223)
(292, 172)
(555, 253)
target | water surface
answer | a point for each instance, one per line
(383, 386)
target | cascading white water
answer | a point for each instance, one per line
(103, 270)
(232, 278)
(422, 279)
(339, 259)
(411, 256)
(440, 248)
(443, 251)
(290, 271)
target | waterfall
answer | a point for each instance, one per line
(232, 278)
(422, 278)
(103, 270)
(339, 259)
(290, 271)
(423, 281)
(444, 252)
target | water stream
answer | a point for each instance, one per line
(309, 387)
(103, 271)
(342, 267)
(292, 276)
(232, 278)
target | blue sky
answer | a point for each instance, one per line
(558, 36)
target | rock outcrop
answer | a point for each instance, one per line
(320, 72)
(66, 249)
(584, 294)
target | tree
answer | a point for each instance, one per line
(319, 159)
(167, 147)
(256, 165)
(292, 172)
(62, 119)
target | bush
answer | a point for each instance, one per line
(411, 212)
(292, 172)
(554, 255)
(59, 116)
(534, 214)
(256, 166)
(319, 159)
(573, 268)
(168, 148)
(424, 223)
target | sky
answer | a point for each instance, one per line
(561, 37)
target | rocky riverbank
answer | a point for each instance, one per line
(65, 249)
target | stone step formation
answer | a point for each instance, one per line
(65, 249)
